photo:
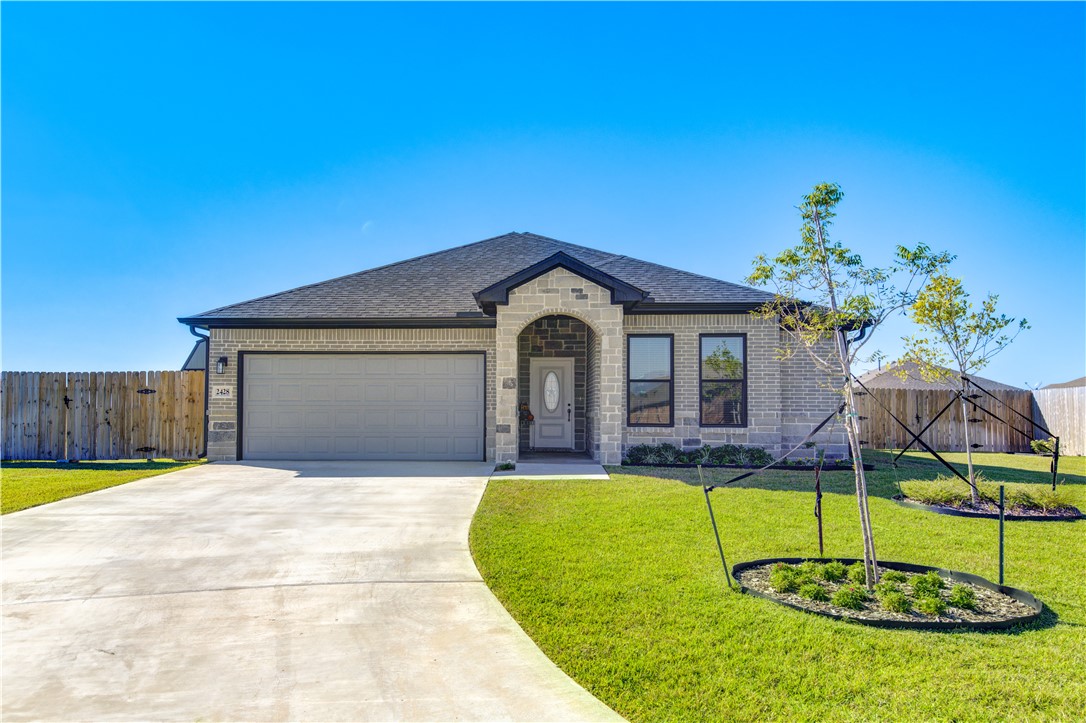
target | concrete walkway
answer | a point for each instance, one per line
(309, 591)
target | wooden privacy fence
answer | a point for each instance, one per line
(102, 415)
(1063, 410)
(918, 407)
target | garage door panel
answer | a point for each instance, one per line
(467, 393)
(348, 392)
(318, 392)
(317, 445)
(405, 418)
(290, 365)
(287, 392)
(407, 392)
(378, 393)
(363, 406)
(436, 393)
(436, 419)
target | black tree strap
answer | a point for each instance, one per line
(996, 417)
(934, 419)
(784, 456)
(1032, 422)
(916, 439)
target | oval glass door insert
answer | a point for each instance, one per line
(550, 391)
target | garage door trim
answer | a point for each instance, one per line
(241, 378)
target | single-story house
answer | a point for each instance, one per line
(484, 351)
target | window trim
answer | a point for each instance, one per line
(670, 381)
(701, 381)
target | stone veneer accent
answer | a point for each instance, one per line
(563, 293)
(223, 413)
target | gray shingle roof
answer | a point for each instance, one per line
(440, 285)
(889, 378)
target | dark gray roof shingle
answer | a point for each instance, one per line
(440, 285)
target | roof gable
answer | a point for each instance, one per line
(438, 289)
(498, 292)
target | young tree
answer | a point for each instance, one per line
(845, 301)
(953, 332)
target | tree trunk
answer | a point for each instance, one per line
(852, 427)
(968, 448)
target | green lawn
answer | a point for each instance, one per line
(619, 582)
(29, 484)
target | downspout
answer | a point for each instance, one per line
(207, 378)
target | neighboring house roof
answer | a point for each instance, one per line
(1080, 382)
(197, 359)
(440, 287)
(890, 378)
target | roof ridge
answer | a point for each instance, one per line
(360, 273)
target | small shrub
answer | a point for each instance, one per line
(927, 585)
(833, 571)
(885, 587)
(942, 490)
(962, 596)
(814, 591)
(810, 567)
(652, 454)
(894, 576)
(783, 578)
(896, 602)
(641, 453)
(505, 466)
(931, 605)
(851, 597)
(857, 573)
(704, 455)
(670, 454)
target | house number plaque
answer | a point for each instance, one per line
(222, 392)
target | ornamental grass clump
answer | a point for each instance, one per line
(852, 597)
(962, 596)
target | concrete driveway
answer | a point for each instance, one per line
(304, 591)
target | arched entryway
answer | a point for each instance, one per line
(557, 359)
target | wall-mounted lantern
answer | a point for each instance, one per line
(220, 365)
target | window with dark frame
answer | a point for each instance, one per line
(649, 362)
(723, 380)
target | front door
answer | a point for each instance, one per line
(551, 401)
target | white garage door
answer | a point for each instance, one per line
(363, 406)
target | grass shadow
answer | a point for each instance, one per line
(882, 482)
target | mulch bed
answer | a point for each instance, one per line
(994, 609)
(990, 510)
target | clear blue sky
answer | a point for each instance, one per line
(160, 160)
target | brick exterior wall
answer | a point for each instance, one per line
(555, 336)
(808, 396)
(223, 413)
(784, 398)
